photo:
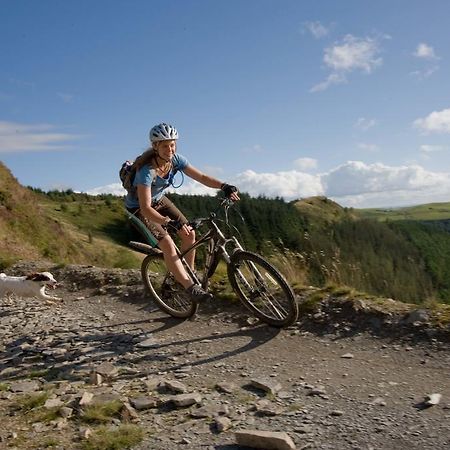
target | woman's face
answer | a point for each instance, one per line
(166, 149)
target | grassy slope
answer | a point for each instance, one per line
(430, 211)
(322, 210)
(33, 227)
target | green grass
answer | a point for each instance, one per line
(340, 291)
(31, 401)
(440, 313)
(122, 437)
(311, 302)
(430, 211)
(38, 373)
(44, 414)
(101, 413)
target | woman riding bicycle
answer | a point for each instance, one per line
(155, 169)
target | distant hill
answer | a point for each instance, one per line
(428, 212)
(323, 210)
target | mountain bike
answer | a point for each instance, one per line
(259, 285)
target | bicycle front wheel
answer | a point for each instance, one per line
(169, 295)
(262, 289)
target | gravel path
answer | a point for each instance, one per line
(325, 390)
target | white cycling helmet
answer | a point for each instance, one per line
(163, 132)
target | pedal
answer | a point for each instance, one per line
(145, 248)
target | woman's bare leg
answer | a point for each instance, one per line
(186, 242)
(173, 262)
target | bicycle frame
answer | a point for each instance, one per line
(219, 242)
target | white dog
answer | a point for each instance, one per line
(32, 285)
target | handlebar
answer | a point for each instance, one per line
(197, 223)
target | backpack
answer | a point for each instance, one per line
(126, 174)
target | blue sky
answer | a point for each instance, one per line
(346, 99)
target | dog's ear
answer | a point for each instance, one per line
(37, 277)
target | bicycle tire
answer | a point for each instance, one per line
(274, 303)
(165, 291)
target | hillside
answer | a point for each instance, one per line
(32, 226)
(323, 211)
(428, 212)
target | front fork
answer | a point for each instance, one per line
(236, 248)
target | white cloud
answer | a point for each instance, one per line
(425, 73)
(349, 55)
(365, 124)
(353, 53)
(435, 122)
(333, 78)
(113, 188)
(316, 29)
(305, 163)
(289, 185)
(356, 177)
(425, 51)
(17, 137)
(354, 183)
(426, 148)
(368, 185)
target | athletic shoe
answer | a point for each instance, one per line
(198, 294)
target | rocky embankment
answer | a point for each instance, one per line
(104, 369)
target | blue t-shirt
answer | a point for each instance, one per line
(147, 176)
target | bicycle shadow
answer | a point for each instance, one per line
(121, 341)
(107, 339)
(166, 324)
(258, 336)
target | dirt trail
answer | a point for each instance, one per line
(353, 392)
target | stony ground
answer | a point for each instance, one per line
(195, 384)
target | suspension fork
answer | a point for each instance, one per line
(236, 247)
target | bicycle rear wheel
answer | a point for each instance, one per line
(262, 289)
(169, 295)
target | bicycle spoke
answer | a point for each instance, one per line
(263, 289)
(165, 291)
(271, 303)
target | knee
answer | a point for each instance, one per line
(166, 244)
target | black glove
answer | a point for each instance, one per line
(175, 224)
(228, 189)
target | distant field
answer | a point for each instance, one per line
(430, 211)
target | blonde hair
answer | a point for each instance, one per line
(145, 158)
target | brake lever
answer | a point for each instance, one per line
(196, 223)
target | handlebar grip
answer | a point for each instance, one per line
(196, 223)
